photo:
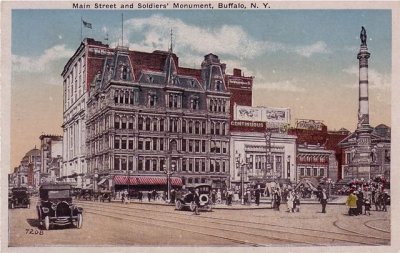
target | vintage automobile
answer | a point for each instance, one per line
(55, 206)
(185, 198)
(86, 194)
(104, 195)
(19, 197)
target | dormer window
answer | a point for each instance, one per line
(152, 100)
(218, 85)
(124, 72)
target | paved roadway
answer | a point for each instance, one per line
(138, 224)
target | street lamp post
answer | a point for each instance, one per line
(329, 186)
(96, 175)
(241, 165)
(129, 180)
(169, 172)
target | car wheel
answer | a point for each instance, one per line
(47, 222)
(179, 205)
(79, 221)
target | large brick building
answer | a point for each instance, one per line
(146, 114)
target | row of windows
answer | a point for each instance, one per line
(309, 158)
(217, 105)
(130, 97)
(315, 172)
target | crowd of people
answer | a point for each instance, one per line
(360, 202)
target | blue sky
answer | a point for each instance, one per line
(301, 59)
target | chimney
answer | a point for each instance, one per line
(237, 72)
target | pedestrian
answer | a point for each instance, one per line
(248, 197)
(154, 194)
(277, 199)
(213, 197)
(297, 202)
(351, 202)
(149, 195)
(173, 193)
(123, 197)
(196, 198)
(360, 202)
(230, 196)
(367, 204)
(140, 196)
(290, 201)
(384, 200)
(323, 198)
(258, 195)
(219, 200)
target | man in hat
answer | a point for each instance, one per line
(323, 198)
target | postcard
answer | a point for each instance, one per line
(199, 126)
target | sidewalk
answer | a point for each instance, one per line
(265, 203)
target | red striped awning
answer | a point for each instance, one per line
(144, 180)
(125, 180)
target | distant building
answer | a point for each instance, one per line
(25, 173)
(318, 155)
(50, 148)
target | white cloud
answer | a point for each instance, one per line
(319, 47)
(41, 63)
(376, 80)
(229, 41)
(284, 85)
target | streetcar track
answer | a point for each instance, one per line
(257, 228)
(363, 236)
(375, 228)
(223, 230)
(358, 233)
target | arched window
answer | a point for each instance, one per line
(183, 126)
(161, 125)
(127, 97)
(173, 145)
(154, 124)
(116, 95)
(130, 124)
(190, 127)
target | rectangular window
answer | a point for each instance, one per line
(212, 163)
(321, 172)
(203, 165)
(130, 144)
(161, 144)
(197, 165)
(217, 166)
(224, 166)
(116, 142)
(154, 143)
(147, 165)
(184, 164)
(123, 144)
(140, 163)
(224, 147)
(130, 163)
(147, 144)
(123, 163)
(203, 146)
(203, 128)
(301, 171)
(183, 145)
(190, 164)
(116, 163)
(162, 162)
(190, 145)
(315, 172)
(154, 165)
(197, 146)
(308, 171)
(140, 144)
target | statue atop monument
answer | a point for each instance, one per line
(363, 36)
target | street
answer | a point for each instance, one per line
(143, 224)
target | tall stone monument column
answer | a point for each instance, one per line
(362, 161)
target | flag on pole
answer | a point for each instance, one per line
(87, 24)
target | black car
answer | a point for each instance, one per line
(55, 206)
(19, 197)
(185, 198)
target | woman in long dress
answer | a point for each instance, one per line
(290, 201)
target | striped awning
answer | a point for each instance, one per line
(125, 180)
(146, 180)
